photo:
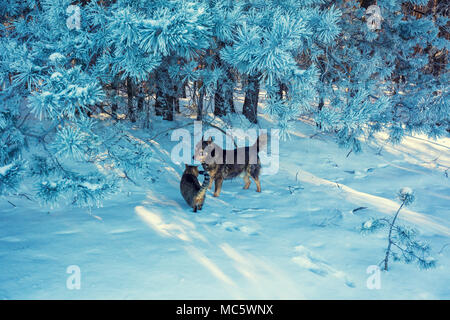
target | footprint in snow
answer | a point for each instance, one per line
(315, 264)
(326, 218)
(232, 227)
(119, 231)
(207, 219)
(66, 232)
(252, 211)
(11, 239)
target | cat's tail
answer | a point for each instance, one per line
(204, 186)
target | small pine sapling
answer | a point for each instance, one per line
(402, 242)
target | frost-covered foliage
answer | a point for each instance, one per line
(384, 78)
(267, 46)
(63, 69)
(402, 243)
(52, 87)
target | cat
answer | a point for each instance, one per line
(190, 188)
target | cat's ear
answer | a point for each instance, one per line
(186, 165)
(210, 140)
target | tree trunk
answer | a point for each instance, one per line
(200, 102)
(388, 250)
(223, 97)
(114, 104)
(227, 88)
(166, 92)
(183, 91)
(229, 102)
(114, 109)
(140, 103)
(250, 107)
(158, 100)
(169, 93)
(168, 107)
(320, 107)
(176, 100)
(282, 90)
(131, 114)
(143, 91)
(219, 103)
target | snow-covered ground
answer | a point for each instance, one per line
(298, 239)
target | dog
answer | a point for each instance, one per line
(227, 164)
(190, 188)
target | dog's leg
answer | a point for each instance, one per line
(218, 187)
(258, 184)
(254, 173)
(247, 181)
(210, 183)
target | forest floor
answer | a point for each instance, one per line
(297, 239)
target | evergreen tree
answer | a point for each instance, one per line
(65, 64)
(374, 79)
(266, 50)
(402, 242)
(50, 87)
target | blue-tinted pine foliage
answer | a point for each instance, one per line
(403, 244)
(75, 74)
(387, 78)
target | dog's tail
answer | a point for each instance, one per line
(260, 142)
(201, 192)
